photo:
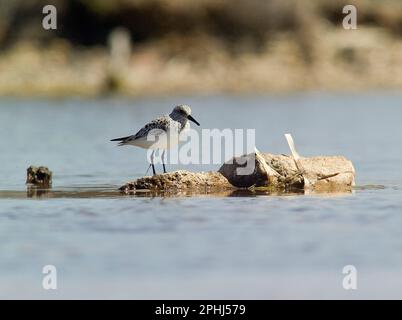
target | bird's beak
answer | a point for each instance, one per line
(192, 119)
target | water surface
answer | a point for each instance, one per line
(106, 245)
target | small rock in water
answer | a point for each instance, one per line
(40, 176)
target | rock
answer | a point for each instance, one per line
(40, 176)
(178, 181)
(259, 171)
(258, 177)
(273, 173)
(282, 172)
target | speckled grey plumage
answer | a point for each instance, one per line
(176, 120)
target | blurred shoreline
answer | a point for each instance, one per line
(305, 48)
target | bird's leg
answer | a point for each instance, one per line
(163, 162)
(147, 170)
(152, 162)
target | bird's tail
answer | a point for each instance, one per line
(122, 140)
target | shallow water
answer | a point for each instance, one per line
(106, 245)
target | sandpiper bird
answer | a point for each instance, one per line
(161, 133)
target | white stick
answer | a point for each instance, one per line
(270, 171)
(292, 147)
(296, 158)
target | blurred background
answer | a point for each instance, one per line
(162, 47)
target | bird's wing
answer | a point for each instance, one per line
(155, 128)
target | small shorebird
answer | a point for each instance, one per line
(161, 133)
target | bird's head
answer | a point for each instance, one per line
(183, 111)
